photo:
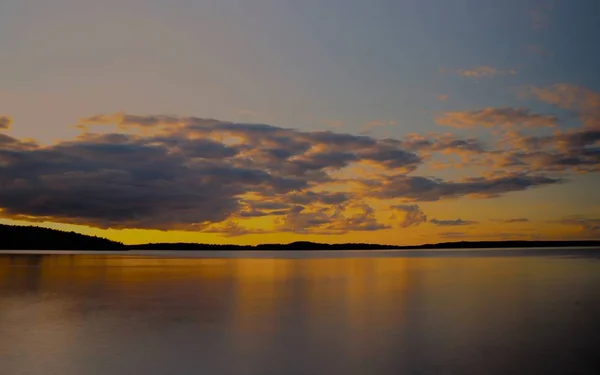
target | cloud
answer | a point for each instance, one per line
(233, 229)
(566, 96)
(551, 155)
(5, 122)
(490, 236)
(189, 173)
(442, 143)
(582, 100)
(453, 235)
(443, 97)
(482, 71)
(413, 215)
(125, 120)
(496, 117)
(588, 225)
(417, 188)
(575, 150)
(184, 174)
(452, 223)
(514, 221)
(330, 220)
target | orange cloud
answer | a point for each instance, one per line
(567, 96)
(496, 117)
(582, 100)
(413, 216)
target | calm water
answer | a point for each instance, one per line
(476, 312)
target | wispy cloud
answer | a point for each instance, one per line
(490, 236)
(496, 117)
(585, 224)
(513, 221)
(481, 71)
(426, 189)
(567, 96)
(452, 223)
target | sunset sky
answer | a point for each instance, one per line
(253, 121)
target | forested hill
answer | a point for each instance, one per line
(35, 238)
(14, 237)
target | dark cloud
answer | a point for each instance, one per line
(430, 189)
(452, 223)
(137, 182)
(10, 143)
(575, 150)
(514, 221)
(444, 143)
(185, 174)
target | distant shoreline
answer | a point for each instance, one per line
(16, 238)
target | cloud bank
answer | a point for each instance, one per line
(190, 173)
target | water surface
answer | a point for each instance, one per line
(491, 312)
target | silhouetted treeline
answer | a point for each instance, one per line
(14, 237)
(300, 245)
(364, 246)
(505, 244)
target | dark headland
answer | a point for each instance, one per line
(14, 237)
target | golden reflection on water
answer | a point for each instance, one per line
(78, 314)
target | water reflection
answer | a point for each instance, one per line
(97, 314)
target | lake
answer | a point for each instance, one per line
(526, 311)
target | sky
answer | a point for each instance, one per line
(252, 121)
